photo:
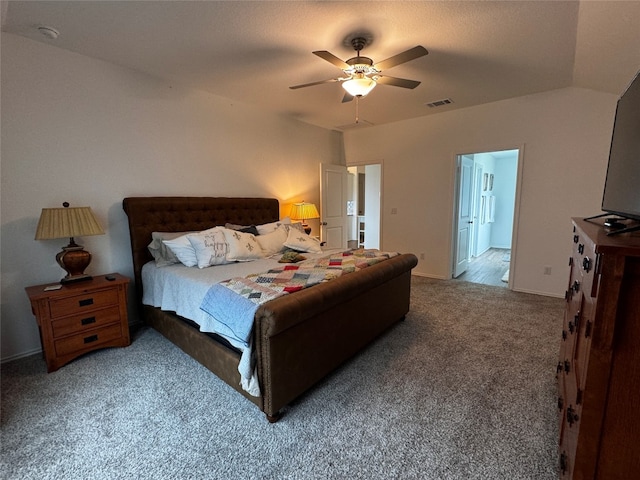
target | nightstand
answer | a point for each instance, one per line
(80, 317)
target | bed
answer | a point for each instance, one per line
(298, 339)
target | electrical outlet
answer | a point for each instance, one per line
(547, 270)
(422, 256)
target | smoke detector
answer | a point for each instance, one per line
(49, 32)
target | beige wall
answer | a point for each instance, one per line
(84, 131)
(80, 130)
(565, 137)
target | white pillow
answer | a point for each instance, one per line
(243, 247)
(183, 249)
(160, 252)
(297, 225)
(302, 242)
(273, 242)
(270, 227)
(210, 247)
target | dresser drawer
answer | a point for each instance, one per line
(85, 321)
(85, 302)
(88, 340)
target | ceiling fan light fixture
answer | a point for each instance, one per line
(359, 87)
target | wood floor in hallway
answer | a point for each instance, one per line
(488, 268)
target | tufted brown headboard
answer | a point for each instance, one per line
(184, 214)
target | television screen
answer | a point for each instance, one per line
(622, 185)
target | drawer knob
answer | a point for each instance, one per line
(91, 339)
(86, 302)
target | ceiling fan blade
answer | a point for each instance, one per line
(347, 97)
(331, 80)
(397, 82)
(407, 55)
(331, 58)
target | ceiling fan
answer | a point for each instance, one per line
(362, 75)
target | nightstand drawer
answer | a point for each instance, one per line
(87, 321)
(85, 302)
(88, 340)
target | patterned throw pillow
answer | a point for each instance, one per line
(270, 227)
(273, 242)
(243, 247)
(302, 242)
(210, 247)
(182, 248)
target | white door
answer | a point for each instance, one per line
(333, 205)
(464, 216)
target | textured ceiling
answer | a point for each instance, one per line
(252, 52)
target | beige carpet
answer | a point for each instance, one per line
(463, 388)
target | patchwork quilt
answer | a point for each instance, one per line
(264, 286)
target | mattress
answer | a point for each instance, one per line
(181, 289)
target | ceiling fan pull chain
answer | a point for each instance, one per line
(357, 109)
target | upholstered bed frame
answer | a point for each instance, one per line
(299, 338)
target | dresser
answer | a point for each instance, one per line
(598, 369)
(80, 317)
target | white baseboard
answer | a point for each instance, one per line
(21, 355)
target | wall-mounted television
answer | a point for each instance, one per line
(622, 185)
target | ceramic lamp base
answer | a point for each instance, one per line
(74, 260)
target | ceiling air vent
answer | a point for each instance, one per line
(439, 103)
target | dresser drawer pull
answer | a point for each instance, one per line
(576, 286)
(586, 264)
(564, 463)
(581, 249)
(86, 302)
(567, 366)
(88, 321)
(560, 403)
(572, 416)
(91, 339)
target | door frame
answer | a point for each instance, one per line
(516, 208)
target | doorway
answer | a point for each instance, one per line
(364, 206)
(485, 214)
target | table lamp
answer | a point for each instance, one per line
(304, 211)
(69, 222)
